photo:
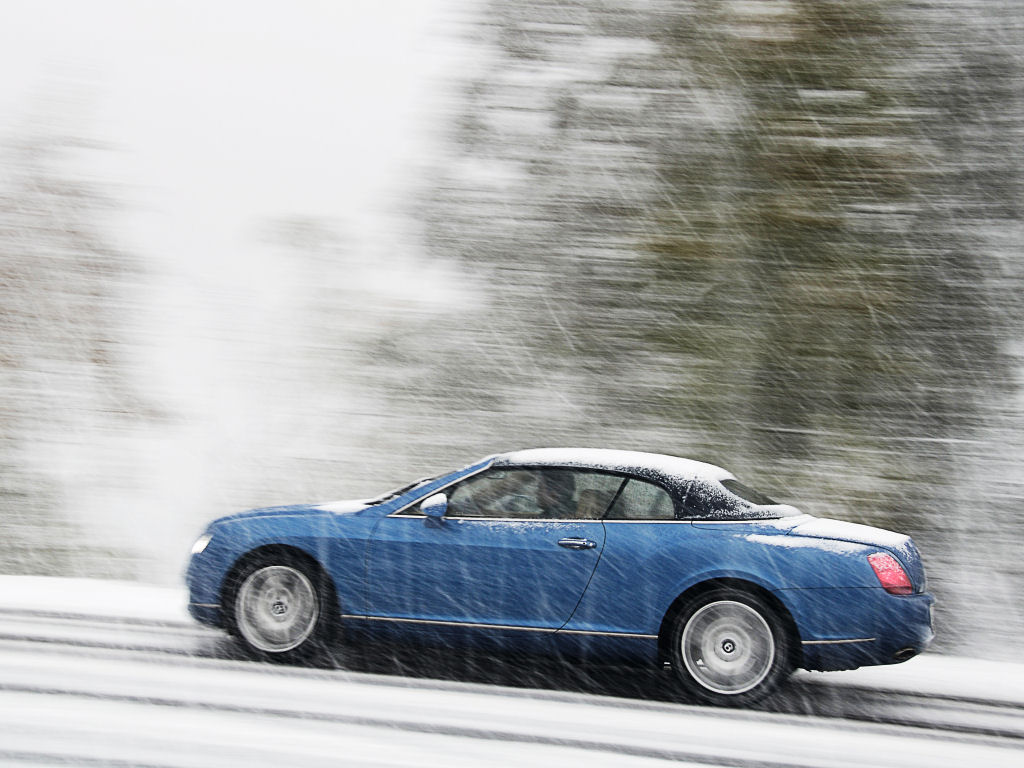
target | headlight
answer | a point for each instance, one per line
(201, 543)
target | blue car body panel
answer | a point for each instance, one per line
(510, 573)
(335, 535)
(515, 583)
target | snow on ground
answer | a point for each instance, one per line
(94, 597)
(101, 703)
(934, 675)
(929, 674)
(138, 710)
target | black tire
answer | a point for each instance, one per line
(282, 608)
(730, 648)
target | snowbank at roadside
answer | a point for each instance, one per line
(930, 674)
(123, 600)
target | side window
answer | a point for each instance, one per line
(641, 500)
(554, 494)
(747, 493)
(496, 493)
(594, 492)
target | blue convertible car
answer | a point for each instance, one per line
(598, 554)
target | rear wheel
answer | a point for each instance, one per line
(730, 648)
(281, 609)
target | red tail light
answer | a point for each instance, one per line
(891, 574)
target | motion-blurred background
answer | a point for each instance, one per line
(256, 253)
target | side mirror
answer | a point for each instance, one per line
(435, 507)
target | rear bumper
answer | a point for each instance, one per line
(849, 628)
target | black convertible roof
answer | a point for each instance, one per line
(673, 469)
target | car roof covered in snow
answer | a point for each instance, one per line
(671, 469)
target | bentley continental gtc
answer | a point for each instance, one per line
(587, 554)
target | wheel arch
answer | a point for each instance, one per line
(740, 585)
(271, 552)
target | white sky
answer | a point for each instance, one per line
(221, 114)
(227, 111)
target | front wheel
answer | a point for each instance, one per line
(730, 648)
(280, 609)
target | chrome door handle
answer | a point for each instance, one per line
(577, 543)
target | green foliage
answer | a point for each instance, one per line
(761, 233)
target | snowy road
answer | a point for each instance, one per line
(106, 674)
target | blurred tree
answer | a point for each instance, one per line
(813, 281)
(763, 233)
(61, 310)
(872, 332)
(544, 203)
(968, 96)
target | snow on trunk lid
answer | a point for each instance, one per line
(898, 544)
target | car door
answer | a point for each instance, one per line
(649, 548)
(507, 553)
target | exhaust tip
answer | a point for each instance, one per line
(904, 653)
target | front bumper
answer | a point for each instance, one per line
(206, 613)
(203, 578)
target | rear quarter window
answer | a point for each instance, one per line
(728, 500)
(746, 493)
(640, 500)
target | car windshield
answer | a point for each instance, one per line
(402, 490)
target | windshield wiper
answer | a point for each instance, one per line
(403, 490)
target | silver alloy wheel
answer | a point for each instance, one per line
(728, 647)
(276, 608)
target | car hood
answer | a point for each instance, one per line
(344, 507)
(334, 507)
(838, 530)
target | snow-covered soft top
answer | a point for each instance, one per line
(671, 469)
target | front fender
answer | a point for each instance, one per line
(336, 543)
